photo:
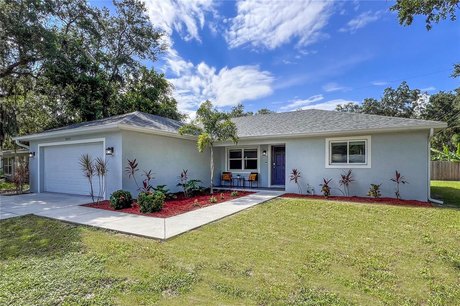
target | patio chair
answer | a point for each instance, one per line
(253, 178)
(226, 177)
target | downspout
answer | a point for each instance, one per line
(429, 170)
(21, 144)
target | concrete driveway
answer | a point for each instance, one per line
(36, 203)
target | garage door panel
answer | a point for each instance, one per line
(62, 171)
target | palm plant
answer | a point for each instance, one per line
(100, 166)
(398, 179)
(210, 126)
(295, 176)
(345, 180)
(86, 165)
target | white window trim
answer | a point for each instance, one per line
(368, 144)
(227, 158)
(8, 163)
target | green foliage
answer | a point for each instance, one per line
(433, 10)
(447, 191)
(374, 191)
(121, 199)
(189, 187)
(234, 194)
(164, 190)
(69, 61)
(150, 202)
(238, 111)
(210, 126)
(212, 199)
(314, 252)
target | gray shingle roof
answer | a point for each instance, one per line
(315, 121)
(306, 122)
(137, 119)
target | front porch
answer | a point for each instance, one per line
(250, 167)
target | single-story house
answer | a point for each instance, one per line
(10, 159)
(320, 144)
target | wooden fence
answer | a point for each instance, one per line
(445, 171)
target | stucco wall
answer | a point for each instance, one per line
(404, 151)
(166, 156)
(112, 139)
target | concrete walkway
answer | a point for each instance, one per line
(66, 208)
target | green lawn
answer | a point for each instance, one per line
(286, 251)
(449, 191)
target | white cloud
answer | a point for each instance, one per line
(314, 102)
(361, 21)
(299, 103)
(186, 17)
(379, 83)
(226, 87)
(331, 87)
(430, 88)
(270, 24)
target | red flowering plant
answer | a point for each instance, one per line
(325, 188)
(398, 179)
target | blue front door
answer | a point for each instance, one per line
(278, 165)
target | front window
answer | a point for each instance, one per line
(242, 159)
(8, 166)
(349, 152)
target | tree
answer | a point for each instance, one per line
(445, 106)
(433, 10)
(238, 111)
(399, 102)
(264, 111)
(65, 61)
(210, 126)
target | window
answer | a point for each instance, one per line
(242, 159)
(8, 166)
(348, 152)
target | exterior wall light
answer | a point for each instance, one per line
(31, 154)
(109, 151)
(264, 153)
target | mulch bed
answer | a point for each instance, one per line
(176, 206)
(389, 201)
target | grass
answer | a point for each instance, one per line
(283, 252)
(8, 186)
(449, 191)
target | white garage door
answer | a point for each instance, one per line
(62, 171)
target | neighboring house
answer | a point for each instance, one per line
(321, 144)
(10, 159)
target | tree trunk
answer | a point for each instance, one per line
(212, 169)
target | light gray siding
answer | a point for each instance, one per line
(112, 139)
(406, 152)
(166, 156)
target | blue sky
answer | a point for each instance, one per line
(288, 55)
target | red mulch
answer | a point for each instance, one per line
(389, 201)
(176, 206)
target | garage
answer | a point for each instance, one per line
(61, 171)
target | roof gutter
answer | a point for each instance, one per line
(429, 171)
(18, 142)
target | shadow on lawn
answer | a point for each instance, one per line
(31, 236)
(450, 195)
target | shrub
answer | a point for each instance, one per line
(398, 179)
(295, 176)
(222, 196)
(150, 202)
(374, 191)
(189, 187)
(212, 199)
(164, 190)
(325, 188)
(120, 199)
(234, 194)
(345, 180)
